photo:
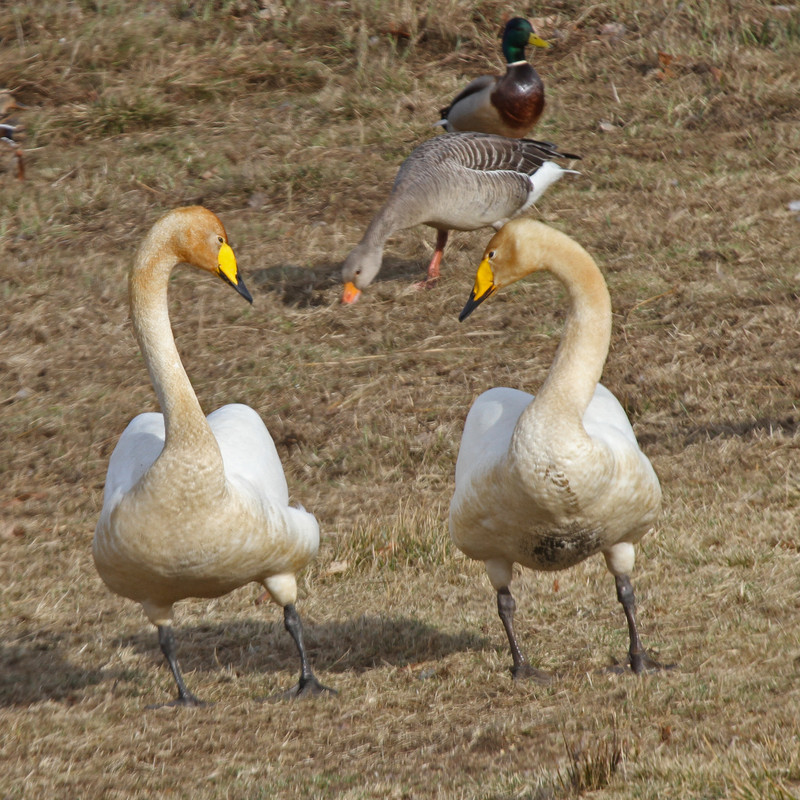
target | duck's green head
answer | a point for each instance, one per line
(517, 35)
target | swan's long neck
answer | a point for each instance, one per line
(185, 424)
(580, 357)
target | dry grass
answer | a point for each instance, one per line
(289, 121)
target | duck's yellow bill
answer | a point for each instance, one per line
(537, 41)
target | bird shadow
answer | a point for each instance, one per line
(401, 269)
(691, 434)
(36, 670)
(351, 645)
(305, 287)
(302, 287)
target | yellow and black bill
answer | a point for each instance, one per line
(484, 287)
(229, 271)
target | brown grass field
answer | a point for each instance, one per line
(289, 119)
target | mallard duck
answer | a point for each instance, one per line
(196, 506)
(548, 481)
(457, 181)
(509, 104)
(11, 130)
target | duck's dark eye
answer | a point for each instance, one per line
(491, 254)
(220, 240)
(358, 272)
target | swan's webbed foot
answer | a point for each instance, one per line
(642, 664)
(307, 687)
(528, 672)
(187, 699)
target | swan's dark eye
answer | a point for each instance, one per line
(358, 272)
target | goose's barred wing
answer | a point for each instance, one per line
(487, 153)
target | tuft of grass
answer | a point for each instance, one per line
(592, 766)
(763, 786)
(412, 538)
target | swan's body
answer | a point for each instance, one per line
(195, 506)
(457, 181)
(548, 481)
(508, 104)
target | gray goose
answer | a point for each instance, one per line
(456, 181)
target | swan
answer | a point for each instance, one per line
(548, 481)
(196, 506)
(456, 181)
(509, 104)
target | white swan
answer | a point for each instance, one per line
(548, 481)
(195, 506)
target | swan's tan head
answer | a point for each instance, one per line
(515, 251)
(198, 237)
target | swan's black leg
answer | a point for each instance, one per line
(308, 683)
(639, 658)
(166, 639)
(506, 606)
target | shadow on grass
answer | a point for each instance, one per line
(37, 670)
(690, 434)
(787, 425)
(353, 645)
(306, 286)
(295, 286)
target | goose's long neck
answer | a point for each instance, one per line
(184, 421)
(580, 357)
(406, 206)
(380, 228)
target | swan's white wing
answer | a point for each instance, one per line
(139, 446)
(606, 421)
(488, 429)
(633, 480)
(604, 412)
(251, 461)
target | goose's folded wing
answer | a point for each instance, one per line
(486, 152)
